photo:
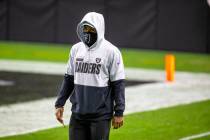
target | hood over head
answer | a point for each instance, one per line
(97, 21)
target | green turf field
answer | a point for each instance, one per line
(163, 124)
(132, 57)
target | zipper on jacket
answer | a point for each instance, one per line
(89, 55)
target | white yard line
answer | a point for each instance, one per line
(35, 115)
(196, 136)
(32, 67)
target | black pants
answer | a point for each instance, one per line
(89, 130)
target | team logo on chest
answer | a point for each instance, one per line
(87, 67)
(98, 60)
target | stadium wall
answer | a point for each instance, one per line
(182, 25)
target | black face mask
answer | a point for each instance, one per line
(89, 38)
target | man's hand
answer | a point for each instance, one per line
(117, 122)
(59, 114)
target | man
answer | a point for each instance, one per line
(94, 81)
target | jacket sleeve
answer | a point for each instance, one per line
(117, 83)
(65, 90)
(67, 84)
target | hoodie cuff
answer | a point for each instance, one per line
(58, 106)
(118, 113)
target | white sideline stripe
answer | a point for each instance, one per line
(196, 136)
(32, 67)
(53, 68)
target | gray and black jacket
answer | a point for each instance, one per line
(95, 77)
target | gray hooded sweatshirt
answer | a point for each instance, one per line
(95, 75)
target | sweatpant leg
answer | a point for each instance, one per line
(79, 130)
(100, 130)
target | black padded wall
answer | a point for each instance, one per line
(131, 23)
(3, 19)
(32, 20)
(208, 29)
(181, 25)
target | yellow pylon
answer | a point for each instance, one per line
(170, 67)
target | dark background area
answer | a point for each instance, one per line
(28, 86)
(181, 25)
